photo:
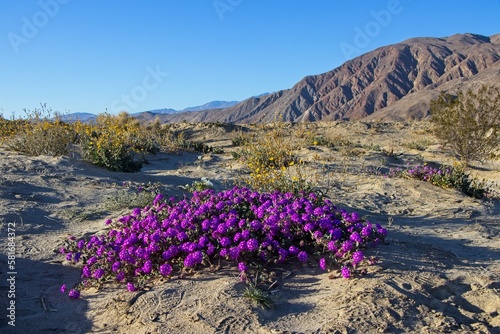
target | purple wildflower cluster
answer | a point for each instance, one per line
(448, 177)
(421, 172)
(426, 173)
(237, 225)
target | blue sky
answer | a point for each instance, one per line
(93, 56)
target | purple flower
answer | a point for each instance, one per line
(308, 227)
(357, 257)
(322, 263)
(157, 199)
(224, 224)
(147, 267)
(170, 253)
(131, 287)
(91, 261)
(193, 259)
(234, 253)
(283, 254)
(346, 273)
(210, 249)
(366, 231)
(245, 234)
(74, 294)
(115, 266)
(63, 288)
(224, 242)
(336, 233)
(356, 237)
(302, 256)
(224, 252)
(332, 247)
(165, 269)
(382, 231)
(120, 276)
(242, 266)
(203, 240)
(294, 250)
(98, 273)
(77, 257)
(347, 245)
(86, 272)
(252, 245)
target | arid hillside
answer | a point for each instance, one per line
(394, 82)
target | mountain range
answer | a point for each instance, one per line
(89, 117)
(394, 82)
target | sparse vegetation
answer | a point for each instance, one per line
(201, 185)
(420, 145)
(273, 165)
(455, 177)
(469, 122)
(38, 134)
(132, 195)
(115, 142)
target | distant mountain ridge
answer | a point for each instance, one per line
(212, 105)
(393, 82)
(88, 117)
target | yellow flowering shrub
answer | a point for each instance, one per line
(273, 165)
(117, 143)
(38, 134)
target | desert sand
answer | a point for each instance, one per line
(438, 271)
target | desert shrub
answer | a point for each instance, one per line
(273, 165)
(39, 134)
(10, 128)
(201, 185)
(420, 145)
(117, 143)
(328, 141)
(181, 143)
(455, 177)
(240, 138)
(469, 122)
(247, 228)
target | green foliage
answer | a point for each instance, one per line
(259, 296)
(201, 185)
(469, 122)
(328, 141)
(196, 146)
(240, 139)
(133, 195)
(420, 145)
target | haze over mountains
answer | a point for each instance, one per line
(394, 82)
(88, 117)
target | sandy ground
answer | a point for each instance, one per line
(439, 271)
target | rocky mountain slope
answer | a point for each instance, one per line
(391, 82)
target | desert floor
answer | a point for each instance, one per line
(438, 272)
